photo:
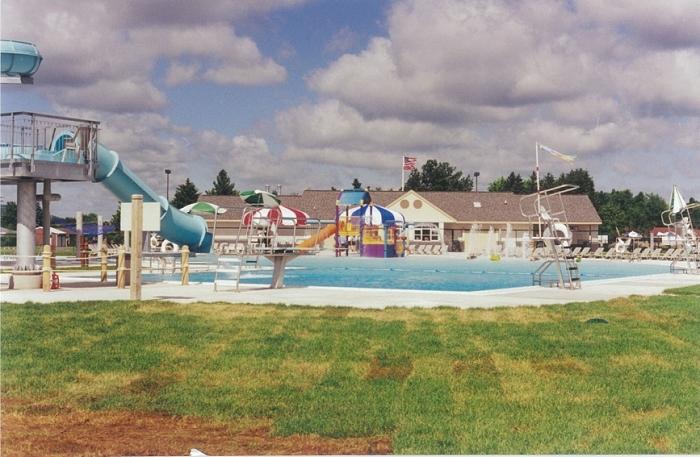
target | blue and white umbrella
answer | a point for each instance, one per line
(377, 215)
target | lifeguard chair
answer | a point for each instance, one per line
(678, 219)
(546, 214)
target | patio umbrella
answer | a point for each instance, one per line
(377, 215)
(204, 208)
(280, 216)
(260, 198)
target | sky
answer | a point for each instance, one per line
(311, 94)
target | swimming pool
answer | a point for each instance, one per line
(423, 273)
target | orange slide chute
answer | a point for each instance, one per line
(328, 230)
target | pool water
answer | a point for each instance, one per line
(424, 273)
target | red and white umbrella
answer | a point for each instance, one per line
(280, 216)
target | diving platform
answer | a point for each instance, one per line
(39, 147)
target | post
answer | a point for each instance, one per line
(46, 208)
(136, 239)
(103, 264)
(26, 222)
(79, 237)
(185, 264)
(100, 236)
(121, 268)
(403, 177)
(46, 269)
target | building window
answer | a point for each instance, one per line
(426, 232)
(404, 203)
(417, 204)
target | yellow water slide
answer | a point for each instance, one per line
(325, 232)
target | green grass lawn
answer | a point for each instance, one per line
(502, 381)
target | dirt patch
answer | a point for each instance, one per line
(390, 367)
(37, 429)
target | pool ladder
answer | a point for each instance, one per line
(569, 278)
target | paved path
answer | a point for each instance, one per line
(81, 287)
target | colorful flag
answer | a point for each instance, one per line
(557, 154)
(409, 163)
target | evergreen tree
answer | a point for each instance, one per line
(8, 218)
(116, 236)
(438, 176)
(498, 185)
(223, 185)
(579, 177)
(185, 194)
(514, 183)
(356, 184)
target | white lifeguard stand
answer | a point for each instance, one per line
(546, 214)
(678, 219)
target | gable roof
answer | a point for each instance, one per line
(497, 207)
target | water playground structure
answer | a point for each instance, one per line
(546, 213)
(367, 229)
(678, 219)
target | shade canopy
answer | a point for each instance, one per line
(354, 197)
(203, 208)
(634, 234)
(280, 216)
(377, 215)
(260, 198)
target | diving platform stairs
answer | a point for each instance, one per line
(678, 219)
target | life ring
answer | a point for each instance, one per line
(153, 242)
(562, 232)
(169, 246)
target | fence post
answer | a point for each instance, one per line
(46, 269)
(103, 264)
(136, 246)
(185, 264)
(121, 268)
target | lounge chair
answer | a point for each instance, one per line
(655, 254)
(585, 252)
(667, 255)
(634, 255)
(598, 253)
(610, 254)
(420, 249)
(575, 252)
(676, 254)
(644, 254)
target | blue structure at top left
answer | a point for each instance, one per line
(19, 60)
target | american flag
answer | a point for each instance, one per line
(409, 163)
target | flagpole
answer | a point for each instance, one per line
(403, 159)
(537, 178)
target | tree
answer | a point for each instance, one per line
(356, 184)
(116, 236)
(438, 176)
(185, 194)
(579, 177)
(498, 185)
(223, 185)
(8, 218)
(514, 183)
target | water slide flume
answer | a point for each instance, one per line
(175, 226)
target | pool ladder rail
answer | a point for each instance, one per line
(572, 279)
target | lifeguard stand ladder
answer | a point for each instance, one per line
(546, 213)
(258, 239)
(681, 223)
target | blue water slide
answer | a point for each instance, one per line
(19, 58)
(175, 226)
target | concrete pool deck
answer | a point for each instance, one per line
(84, 287)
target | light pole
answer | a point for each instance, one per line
(476, 181)
(167, 184)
